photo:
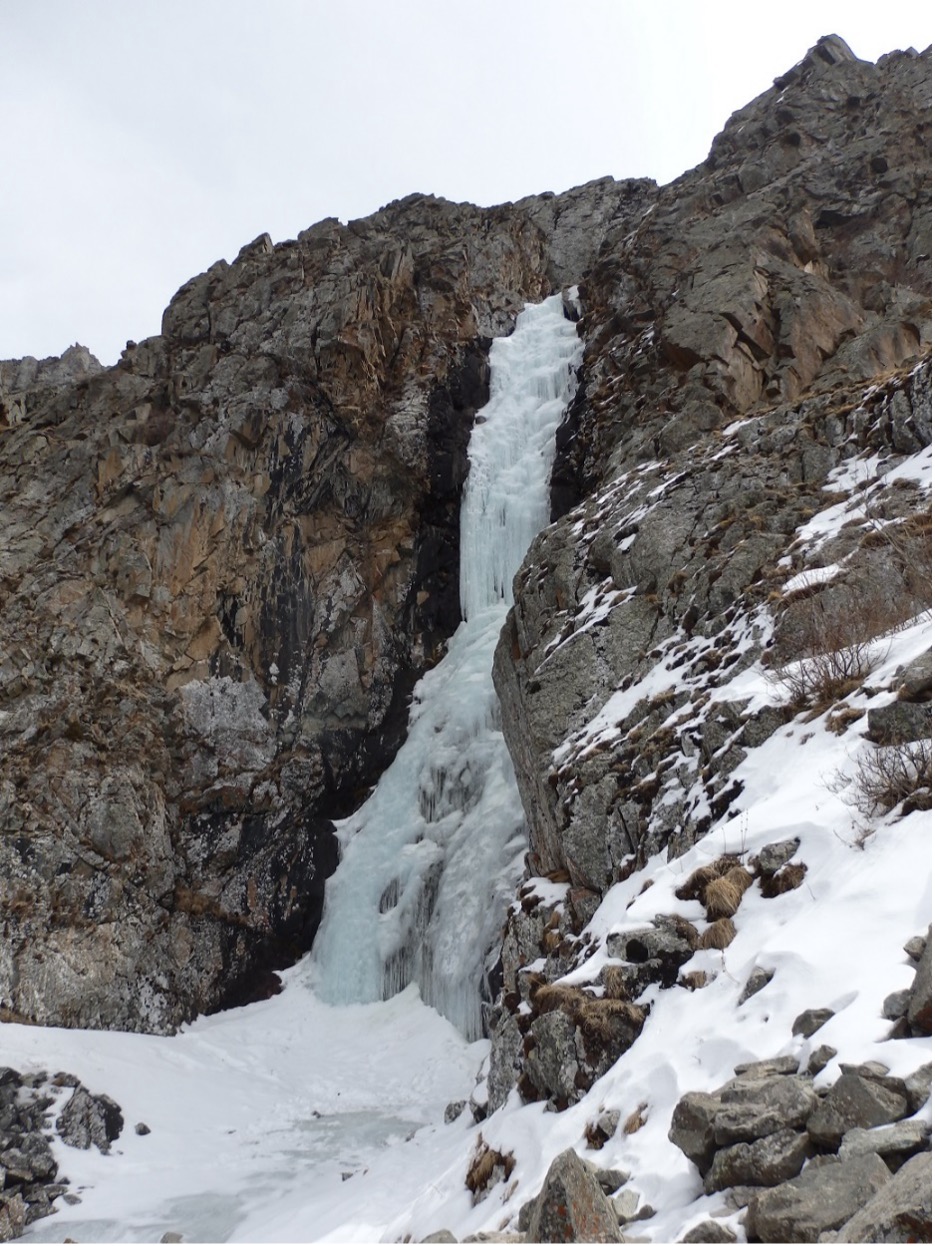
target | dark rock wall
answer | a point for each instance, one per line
(225, 562)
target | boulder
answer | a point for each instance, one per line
(819, 1059)
(571, 1207)
(891, 1142)
(824, 1197)
(919, 1087)
(31, 1160)
(767, 1161)
(767, 1106)
(900, 1211)
(709, 1231)
(900, 722)
(896, 1005)
(768, 1068)
(919, 1012)
(90, 1120)
(811, 1020)
(915, 679)
(12, 1215)
(692, 1128)
(853, 1102)
(758, 979)
(773, 857)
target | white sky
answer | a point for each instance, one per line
(144, 139)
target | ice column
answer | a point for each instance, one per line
(429, 862)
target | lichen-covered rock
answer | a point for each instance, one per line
(692, 1127)
(919, 1012)
(709, 1231)
(901, 1211)
(824, 1197)
(853, 1102)
(891, 1142)
(767, 1160)
(571, 1207)
(90, 1120)
(811, 1020)
(749, 1128)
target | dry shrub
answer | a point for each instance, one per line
(826, 636)
(786, 879)
(719, 935)
(551, 996)
(722, 896)
(694, 980)
(839, 723)
(636, 1120)
(694, 886)
(598, 1017)
(891, 774)
(819, 679)
(487, 1166)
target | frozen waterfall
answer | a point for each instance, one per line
(429, 862)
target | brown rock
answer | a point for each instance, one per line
(571, 1206)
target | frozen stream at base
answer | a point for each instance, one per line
(430, 861)
(281, 1121)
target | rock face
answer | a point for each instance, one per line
(761, 295)
(225, 563)
(765, 322)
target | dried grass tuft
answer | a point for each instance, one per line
(722, 896)
(487, 1166)
(694, 886)
(694, 980)
(636, 1120)
(719, 935)
(599, 1018)
(786, 879)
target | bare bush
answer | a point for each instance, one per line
(820, 679)
(892, 774)
(828, 637)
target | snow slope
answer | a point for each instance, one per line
(257, 1114)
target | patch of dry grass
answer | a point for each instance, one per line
(722, 895)
(719, 935)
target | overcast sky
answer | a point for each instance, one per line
(145, 139)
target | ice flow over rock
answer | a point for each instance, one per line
(430, 860)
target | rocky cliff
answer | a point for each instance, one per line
(226, 560)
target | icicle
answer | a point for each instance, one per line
(430, 860)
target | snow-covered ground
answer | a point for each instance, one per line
(258, 1115)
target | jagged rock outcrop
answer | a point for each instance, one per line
(761, 335)
(771, 290)
(225, 562)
